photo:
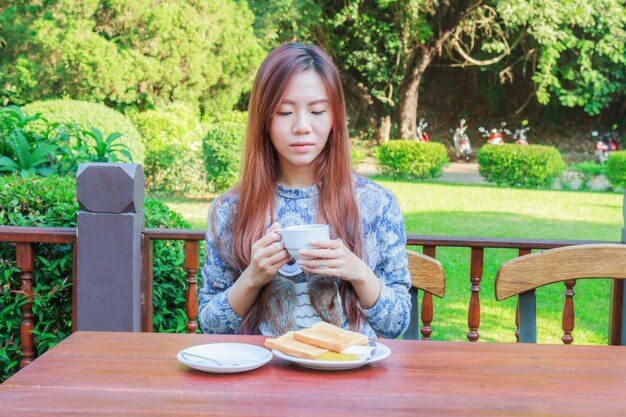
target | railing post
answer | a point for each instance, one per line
(617, 324)
(25, 258)
(476, 275)
(109, 226)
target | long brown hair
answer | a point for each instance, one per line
(337, 202)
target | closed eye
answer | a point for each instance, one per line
(284, 113)
(317, 113)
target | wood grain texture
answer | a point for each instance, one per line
(136, 374)
(561, 264)
(426, 273)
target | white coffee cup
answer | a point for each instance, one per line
(300, 237)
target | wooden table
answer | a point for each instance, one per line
(137, 374)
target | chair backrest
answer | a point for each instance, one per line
(426, 275)
(521, 276)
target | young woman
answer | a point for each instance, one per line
(297, 170)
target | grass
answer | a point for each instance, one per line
(471, 210)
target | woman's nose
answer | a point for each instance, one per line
(302, 124)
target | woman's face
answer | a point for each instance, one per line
(300, 128)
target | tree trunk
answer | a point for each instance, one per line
(383, 130)
(450, 15)
(407, 111)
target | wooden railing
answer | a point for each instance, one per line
(26, 237)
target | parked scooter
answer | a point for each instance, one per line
(607, 143)
(519, 136)
(462, 146)
(495, 136)
(422, 136)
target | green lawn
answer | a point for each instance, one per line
(467, 210)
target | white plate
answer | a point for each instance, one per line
(380, 353)
(234, 357)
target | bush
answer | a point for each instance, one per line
(51, 202)
(616, 169)
(173, 145)
(88, 115)
(512, 165)
(406, 159)
(223, 151)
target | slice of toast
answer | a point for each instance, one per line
(328, 336)
(288, 345)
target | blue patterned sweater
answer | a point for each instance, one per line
(384, 242)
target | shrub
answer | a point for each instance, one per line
(223, 151)
(88, 115)
(406, 159)
(616, 169)
(51, 202)
(173, 145)
(529, 166)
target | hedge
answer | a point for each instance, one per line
(406, 159)
(223, 152)
(529, 166)
(616, 169)
(173, 146)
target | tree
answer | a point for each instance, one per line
(574, 50)
(128, 52)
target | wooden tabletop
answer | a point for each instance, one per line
(137, 374)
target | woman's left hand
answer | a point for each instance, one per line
(332, 257)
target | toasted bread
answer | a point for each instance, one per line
(288, 345)
(328, 336)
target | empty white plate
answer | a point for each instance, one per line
(224, 358)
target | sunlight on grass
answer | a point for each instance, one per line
(470, 210)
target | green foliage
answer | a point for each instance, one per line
(616, 169)
(406, 159)
(36, 201)
(579, 48)
(51, 202)
(588, 170)
(129, 53)
(169, 273)
(22, 151)
(173, 143)
(91, 115)
(529, 166)
(33, 146)
(223, 151)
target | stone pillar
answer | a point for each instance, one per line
(108, 266)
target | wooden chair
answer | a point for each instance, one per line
(522, 275)
(426, 275)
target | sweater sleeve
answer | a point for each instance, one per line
(390, 315)
(215, 314)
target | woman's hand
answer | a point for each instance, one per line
(267, 257)
(332, 257)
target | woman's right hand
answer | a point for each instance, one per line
(267, 257)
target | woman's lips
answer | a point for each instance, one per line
(302, 147)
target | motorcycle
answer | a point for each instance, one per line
(422, 136)
(520, 135)
(495, 136)
(607, 143)
(462, 146)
